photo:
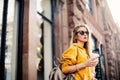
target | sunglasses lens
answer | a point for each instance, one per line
(82, 32)
(87, 33)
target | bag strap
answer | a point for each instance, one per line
(57, 60)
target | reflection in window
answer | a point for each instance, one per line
(9, 40)
(1, 10)
(40, 53)
(40, 56)
(102, 59)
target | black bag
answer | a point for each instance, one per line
(57, 74)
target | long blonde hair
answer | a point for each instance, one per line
(86, 44)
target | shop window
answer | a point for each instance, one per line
(1, 15)
(8, 40)
(40, 47)
(96, 50)
(102, 60)
(40, 56)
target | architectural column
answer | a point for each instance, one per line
(25, 40)
(110, 56)
(33, 40)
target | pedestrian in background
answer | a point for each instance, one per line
(77, 58)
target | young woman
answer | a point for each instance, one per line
(76, 59)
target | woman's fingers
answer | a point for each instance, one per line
(94, 58)
(92, 63)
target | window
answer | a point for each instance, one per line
(93, 43)
(102, 59)
(44, 48)
(96, 50)
(1, 10)
(8, 39)
(40, 46)
(89, 5)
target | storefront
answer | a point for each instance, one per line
(11, 13)
(26, 39)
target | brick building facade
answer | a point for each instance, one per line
(96, 14)
(40, 30)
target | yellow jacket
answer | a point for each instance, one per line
(76, 54)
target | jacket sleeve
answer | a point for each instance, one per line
(68, 57)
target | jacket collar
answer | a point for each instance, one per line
(78, 45)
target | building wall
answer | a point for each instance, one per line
(25, 39)
(35, 27)
(110, 33)
(101, 24)
(61, 34)
(66, 15)
(46, 36)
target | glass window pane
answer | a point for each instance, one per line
(9, 40)
(1, 11)
(40, 58)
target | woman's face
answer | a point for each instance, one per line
(82, 34)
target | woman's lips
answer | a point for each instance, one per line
(85, 37)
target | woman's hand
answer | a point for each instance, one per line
(92, 61)
(95, 55)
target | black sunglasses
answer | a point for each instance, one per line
(83, 32)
